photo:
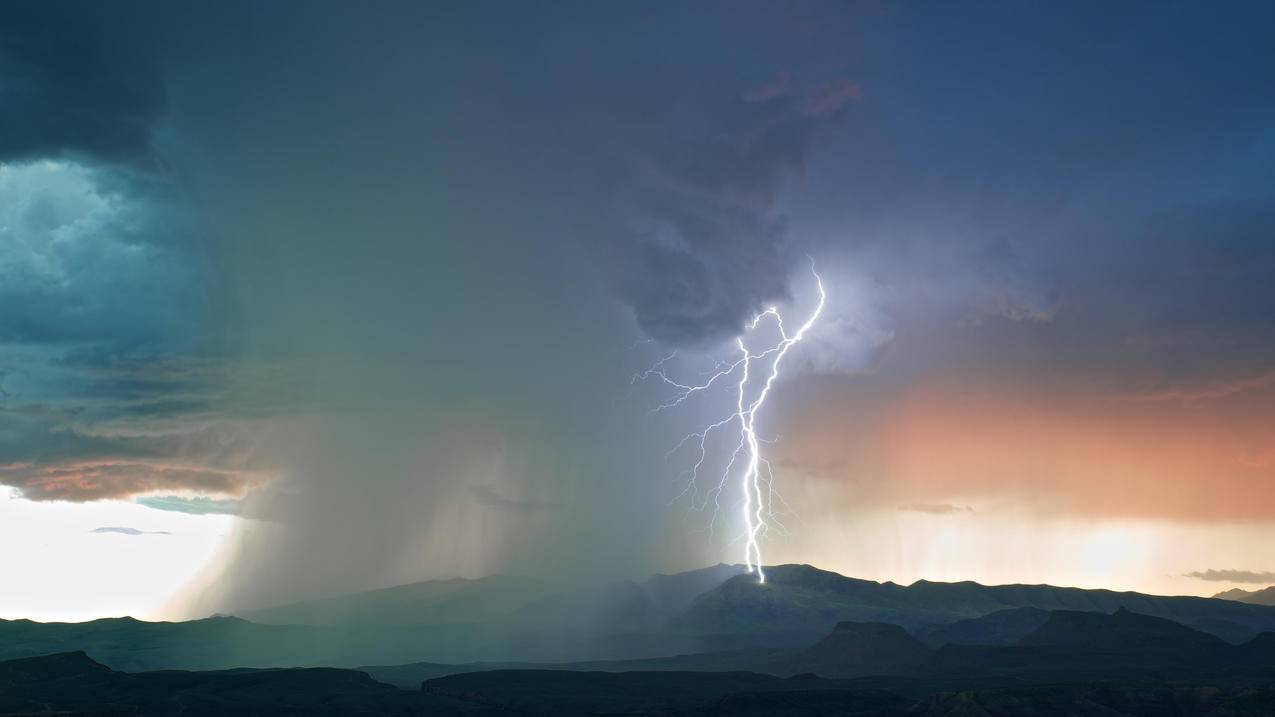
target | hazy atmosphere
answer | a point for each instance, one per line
(304, 299)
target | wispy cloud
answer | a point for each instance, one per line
(935, 508)
(1233, 576)
(129, 531)
(1205, 392)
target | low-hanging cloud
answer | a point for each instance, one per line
(1233, 576)
(82, 481)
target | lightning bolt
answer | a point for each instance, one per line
(758, 505)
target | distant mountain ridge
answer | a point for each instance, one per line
(1087, 645)
(1003, 627)
(724, 600)
(455, 600)
(716, 610)
(507, 599)
(801, 599)
(858, 669)
(859, 648)
(1265, 596)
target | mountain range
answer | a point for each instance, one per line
(706, 642)
(1265, 596)
(511, 620)
(1075, 662)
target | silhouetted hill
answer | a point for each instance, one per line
(226, 642)
(128, 644)
(1105, 699)
(433, 602)
(1260, 650)
(1225, 629)
(515, 601)
(673, 594)
(547, 692)
(1153, 640)
(1265, 596)
(1122, 630)
(1065, 643)
(73, 683)
(533, 693)
(1003, 627)
(802, 600)
(770, 661)
(1075, 662)
(1096, 645)
(859, 648)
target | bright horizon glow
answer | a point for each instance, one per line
(993, 545)
(100, 574)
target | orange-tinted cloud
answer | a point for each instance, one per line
(1205, 392)
(106, 479)
(1078, 453)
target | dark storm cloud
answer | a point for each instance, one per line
(93, 265)
(1233, 576)
(1111, 220)
(76, 80)
(113, 372)
(708, 248)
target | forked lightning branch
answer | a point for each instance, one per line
(749, 375)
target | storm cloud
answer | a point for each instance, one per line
(74, 90)
(115, 479)
(376, 277)
(706, 246)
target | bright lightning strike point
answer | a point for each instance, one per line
(757, 509)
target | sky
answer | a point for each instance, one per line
(302, 299)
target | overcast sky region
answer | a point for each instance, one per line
(319, 297)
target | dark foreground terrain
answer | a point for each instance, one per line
(1071, 663)
(709, 642)
(73, 684)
